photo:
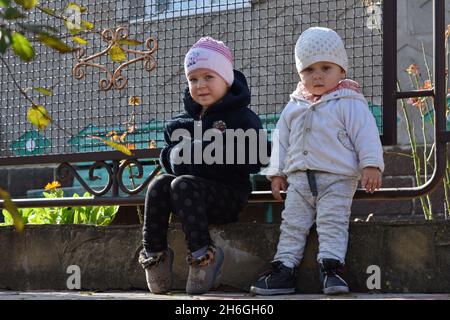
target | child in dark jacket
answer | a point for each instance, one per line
(199, 192)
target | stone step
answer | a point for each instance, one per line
(397, 257)
(213, 295)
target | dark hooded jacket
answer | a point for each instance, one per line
(232, 112)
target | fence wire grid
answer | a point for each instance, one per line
(260, 34)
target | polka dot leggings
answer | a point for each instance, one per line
(196, 201)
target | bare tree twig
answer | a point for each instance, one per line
(22, 91)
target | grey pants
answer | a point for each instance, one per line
(330, 208)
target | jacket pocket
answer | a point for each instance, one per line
(344, 138)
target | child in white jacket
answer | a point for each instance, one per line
(327, 140)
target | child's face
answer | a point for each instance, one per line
(206, 87)
(321, 77)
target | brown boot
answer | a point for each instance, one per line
(158, 270)
(204, 271)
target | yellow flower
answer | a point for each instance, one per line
(53, 185)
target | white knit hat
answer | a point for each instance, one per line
(210, 54)
(320, 44)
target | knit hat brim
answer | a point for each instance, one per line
(306, 62)
(200, 58)
(320, 44)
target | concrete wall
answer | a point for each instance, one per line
(413, 257)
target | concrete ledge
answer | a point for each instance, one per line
(412, 256)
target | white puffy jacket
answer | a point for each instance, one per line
(337, 134)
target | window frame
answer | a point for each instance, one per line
(207, 6)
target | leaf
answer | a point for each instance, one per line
(27, 4)
(48, 10)
(48, 195)
(73, 28)
(12, 209)
(134, 101)
(25, 214)
(47, 92)
(22, 47)
(118, 147)
(67, 215)
(117, 54)
(5, 40)
(38, 116)
(39, 216)
(87, 25)
(94, 215)
(76, 215)
(80, 40)
(4, 3)
(129, 42)
(54, 43)
(13, 13)
(105, 222)
(7, 217)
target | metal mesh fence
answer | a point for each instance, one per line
(261, 35)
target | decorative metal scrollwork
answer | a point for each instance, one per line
(115, 79)
(65, 168)
(115, 176)
(139, 166)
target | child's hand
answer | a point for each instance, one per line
(278, 184)
(371, 179)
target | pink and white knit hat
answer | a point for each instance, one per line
(212, 54)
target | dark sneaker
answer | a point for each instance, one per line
(331, 277)
(158, 270)
(279, 279)
(204, 271)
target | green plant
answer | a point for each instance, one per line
(96, 215)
